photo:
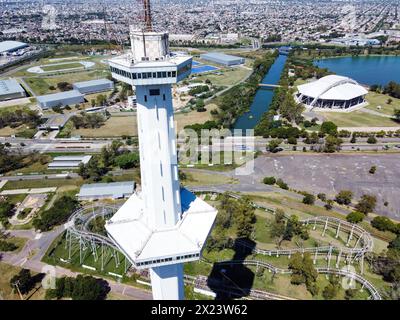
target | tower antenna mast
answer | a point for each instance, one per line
(147, 16)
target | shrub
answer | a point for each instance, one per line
(322, 196)
(344, 197)
(282, 184)
(366, 204)
(372, 170)
(355, 217)
(269, 180)
(309, 199)
(372, 140)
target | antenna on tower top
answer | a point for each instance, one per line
(147, 16)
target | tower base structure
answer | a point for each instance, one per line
(167, 282)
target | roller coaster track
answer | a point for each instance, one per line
(78, 226)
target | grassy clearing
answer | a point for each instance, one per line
(183, 119)
(113, 127)
(225, 77)
(358, 119)
(63, 66)
(378, 99)
(7, 293)
(44, 183)
(39, 86)
(199, 178)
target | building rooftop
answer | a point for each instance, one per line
(91, 83)
(6, 46)
(114, 188)
(333, 87)
(59, 96)
(221, 56)
(10, 86)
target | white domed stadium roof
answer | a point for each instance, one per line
(333, 87)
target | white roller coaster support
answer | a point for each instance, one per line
(329, 256)
(315, 256)
(350, 236)
(325, 227)
(338, 258)
(338, 230)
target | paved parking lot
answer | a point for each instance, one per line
(331, 173)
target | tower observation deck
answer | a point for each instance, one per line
(164, 225)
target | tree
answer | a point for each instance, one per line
(6, 210)
(282, 184)
(372, 170)
(329, 204)
(309, 199)
(355, 217)
(303, 272)
(245, 218)
(25, 281)
(353, 138)
(57, 214)
(328, 127)
(80, 288)
(344, 197)
(292, 140)
(389, 101)
(128, 160)
(329, 292)
(396, 114)
(384, 224)
(269, 180)
(332, 144)
(372, 140)
(273, 145)
(322, 196)
(366, 204)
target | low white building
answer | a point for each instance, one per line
(68, 162)
(332, 93)
(114, 190)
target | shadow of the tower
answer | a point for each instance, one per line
(232, 279)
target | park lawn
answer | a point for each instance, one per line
(43, 183)
(39, 85)
(36, 167)
(377, 99)
(229, 76)
(19, 242)
(183, 119)
(62, 66)
(358, 119)
(114, 127)
(200, 178)
(7, 293)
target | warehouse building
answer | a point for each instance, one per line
(114, 190)
(221, 58)
(11, 46)
(61, 99)
(11, 89)
(68, 162)
(93, 86)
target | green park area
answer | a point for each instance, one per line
(62, 66)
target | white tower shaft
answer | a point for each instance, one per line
(158, 155)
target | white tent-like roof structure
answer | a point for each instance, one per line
(332, 87)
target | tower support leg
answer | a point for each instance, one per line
(167, 282)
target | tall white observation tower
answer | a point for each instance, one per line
(164, 225)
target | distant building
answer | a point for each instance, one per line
(332, 92)
(56, 122)
(221, 58)
(68, 162)
(11, 89)
(93, 86)
(60, 99)
(11, 46)
(114, 190)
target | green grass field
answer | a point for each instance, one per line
(358, 119)
(376, 99)
(228, 77)
(63, 66)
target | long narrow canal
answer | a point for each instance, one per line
(263, 97)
